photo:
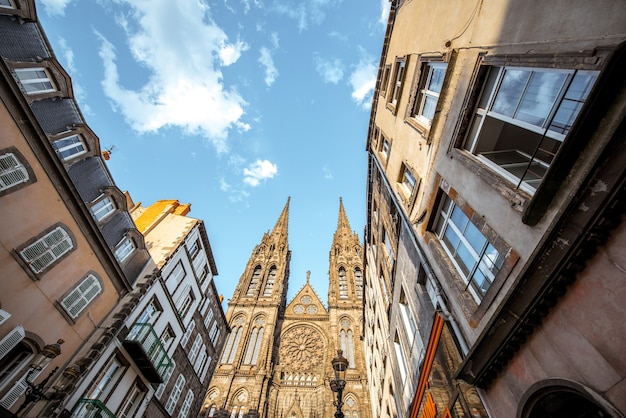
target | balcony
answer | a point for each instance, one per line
(145, 348)
(91, 408)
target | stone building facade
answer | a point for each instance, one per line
(277, 359)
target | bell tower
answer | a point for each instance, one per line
(240, 381)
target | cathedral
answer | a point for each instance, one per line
(277, 359)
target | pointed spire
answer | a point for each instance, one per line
(282, 224)
(342, 222)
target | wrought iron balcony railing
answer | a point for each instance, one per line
(91, 408)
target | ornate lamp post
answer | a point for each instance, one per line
(340, 365)
(41, 360)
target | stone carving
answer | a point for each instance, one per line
(301, 348)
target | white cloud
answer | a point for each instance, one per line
(363, 81)
(55, 7)
(181, 48)
(328, 175)
(68, 56)
(259, 170)
(268, 64)
(385, 6)
(307, 12)
(274, 40)
(230, 53)
(330, 70)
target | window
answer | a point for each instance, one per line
(194, 249)
(176, 276)
(124, 249)
(358, 281)
(407, 182)
(398, 78)
(523, 116)
(401, 359)
(201, 360)
(214, 333)
(184, 410)
(15, 354)
(175, 394)
(431, 81)
(407, 318)
(203, 275)
(102, 208)
(133, 400)
(209, 316)
(35, 80)
(151, 312)
(69, 147)
(343, 283)
(47, 250)
(269, 284)
(228, 355)
(187, 334)
(12, 171)
(388, 247)
(195, 348)
(385, 79)
(474, 257)
(184, 303)
(254, 346)
(166, 378)
(81, 296)
(254, 281)
(106, 379)
(346, 340)
(167, 338)
(385, 147)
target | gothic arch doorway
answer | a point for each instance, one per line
(564, 399)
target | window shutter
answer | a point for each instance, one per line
(81, 296)
(4, 315)
(12, 172)
(16, 391)
(47, 249)
(11, 339)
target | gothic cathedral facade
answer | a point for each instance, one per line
(277, 359)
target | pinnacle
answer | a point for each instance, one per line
(342, 222)
(283, 220)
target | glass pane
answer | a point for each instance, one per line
(540, 96)
(475, 238)
(459, 218)
(510, 91)
(430, 103)
(451, 239)
(465, 259)
(436, 79)
(573, 102)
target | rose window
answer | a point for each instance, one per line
(301, 349)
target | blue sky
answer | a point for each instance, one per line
(232, 106)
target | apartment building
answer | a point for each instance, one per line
(493, 249)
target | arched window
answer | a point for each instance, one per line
(228, 356)
(254, 281)
(358, 282)
(351, 407)
(269, 285)
(346, 339)
(254, 345)
(343, 283)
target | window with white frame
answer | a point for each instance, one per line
(176, 276)
(407, 317)
(385, 147)
(167, 338)
(199, 363)
(47, 250)
(166, 379)
(522, 117)
(430, 84)
(175, 394)
(35, 80)
(70, 147)
(388, 247)
(106, 379)
(213, 334)
(184, 303)
(385, 79)
(397, 81)
(204, 273)
(187, 334)
(12, 171)
(75, 302)
(132, 402)
(124, 249)
(195, 349)
(208, 318)
(7, 4)
(102, 208)
(184, 410)
(475, 258)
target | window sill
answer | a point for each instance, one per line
(518, 198)
(422, 128)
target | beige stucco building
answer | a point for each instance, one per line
(495, 210)
(277, 359)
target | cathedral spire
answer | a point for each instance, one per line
(342, 222)
(282, 224)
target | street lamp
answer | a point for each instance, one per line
(340, 365)
(41, 360)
